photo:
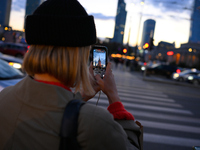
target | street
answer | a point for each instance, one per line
(169, 113)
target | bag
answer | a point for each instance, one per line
(69, 126)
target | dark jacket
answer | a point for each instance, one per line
(31, 113)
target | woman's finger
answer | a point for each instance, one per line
(91, 69)
(108, 68)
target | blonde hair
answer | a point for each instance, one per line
(67, 64)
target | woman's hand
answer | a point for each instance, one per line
(107, 85)
(94, 84)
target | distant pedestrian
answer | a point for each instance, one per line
(116, 60)
(61, 33)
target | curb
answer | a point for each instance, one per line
(160, 80)
(170, 82)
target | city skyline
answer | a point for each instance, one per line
(172, 18)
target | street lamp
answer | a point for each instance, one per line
(136, 47)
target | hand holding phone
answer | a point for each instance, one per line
(108, 85)
(99, 59)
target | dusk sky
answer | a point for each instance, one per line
(172, 18)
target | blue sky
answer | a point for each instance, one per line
(172, 18)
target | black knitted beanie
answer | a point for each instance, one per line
(60, 23)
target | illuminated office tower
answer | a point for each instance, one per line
(120, 21)
(195, 23)
(148, 31)
(5, 7)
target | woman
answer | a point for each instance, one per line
(60, 33)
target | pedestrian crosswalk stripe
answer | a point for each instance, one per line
(139, 86)
(151, 102)
(139, 114)
(140, 100)
(121, 95)
(168, 126)
(133, 96)
(144, 88)
(171, 140)
(144, 92)
(147, 107)
(158, 108)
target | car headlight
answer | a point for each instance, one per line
(190, 78)
(176, 75)
(143, 68)
(15, 65)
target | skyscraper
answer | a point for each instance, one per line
(31, 5)
(120, 21)
(5, 7)
(148, 29)
(195, 23)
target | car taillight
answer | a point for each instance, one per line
(178, 70)
(28, 46)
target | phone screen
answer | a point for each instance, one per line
(99, 60)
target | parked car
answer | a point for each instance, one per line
(162, 69)
(12, 61)
(182, 76)
(194, 79)
(9, 75)
(14, 49)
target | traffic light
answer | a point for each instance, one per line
(124, 50)
(151, 45)
(146, 46)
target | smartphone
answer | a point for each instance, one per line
(99, 59)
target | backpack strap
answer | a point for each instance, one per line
(69, 126)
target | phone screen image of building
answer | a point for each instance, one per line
(99, 58)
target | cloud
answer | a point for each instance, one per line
(18, 5)
(178, 6)
(168, 9)
(102, 16)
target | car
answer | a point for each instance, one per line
(9, 75)
(182, 76)
(194, 79)
(162, 69)
(12, 61)
(14, 49)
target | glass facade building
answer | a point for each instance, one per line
(195, 23)
(5, 7)
(120, 21)
(31, 5)
(148, 29)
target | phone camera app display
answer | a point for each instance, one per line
(99, 61)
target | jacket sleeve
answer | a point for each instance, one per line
(119, 112)
(98, 130)
(133, 132)
(126, 120)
